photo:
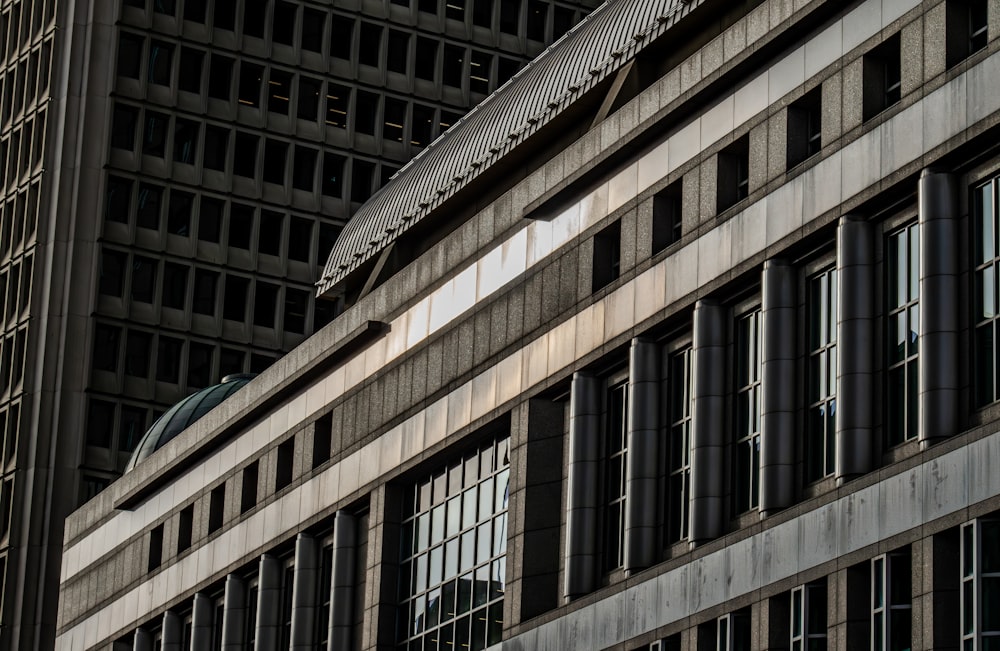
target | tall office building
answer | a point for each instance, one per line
(175, 172)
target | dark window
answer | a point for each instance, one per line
(168, 7)
(308, 102)
(399, 50)
(296, 302)
(986, 317)
(138, 347)
(371, 44)
(245, 155)
(454, 65)
(455, 10)
(160, 62)
(361, 180)
(199, 365)
(231, 361)
(210, 219)
(248, 492)
(892, 601)
(967, 29)
(224, 15)
(284, 22)
(482, 13)
(129, 55)
(366, 113)
(106, 340)
(510, 16)
(338, 98)
(428, 6)
(220, 75)
(279, 91)
(538, 14)
(216, 142)
(881, 87)
(341, 37)
(240, 225)
(733, 182)
(155, 548)
(112, 281)
(184, 525)
(265, 300)
(322, 440)
(194, 10)
(480, 64)
(283, 468)
(299, 239)
(506, 68)
(251, 77)
(148, 208)
(447, 119)
(679, 447)
(205, 282)
(179, 213)
(562, 21)
(426, 61)
(385, 173)
(313, 23)
(333, 175)
(143, 279)
(746, 465)
(100, 423)
(185, 140)
(260, 363)
(822, 384)
(304, 170)
(216, 508)
(607, 256)
(174, 285)
(123, 124)
(168, 355)
(903, 313)
(269, 239)
(422, 125)
(667, 216)
(804, 134)
(616, 454)
(275, 153)
(808, 616)
(118, 198)
(189, 78)
(235, 300)
(131, 427)
(395, 116)
(254, 12)
(154, 134)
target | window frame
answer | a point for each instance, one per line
(751, 490)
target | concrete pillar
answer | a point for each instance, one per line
(304, 592)
(345, 541)
(583, 501)
(708, 433)
(855, 347)
(642, 482)
(938, 336)
(201, 623)
(779, 401)
(142, 641)
(268, 604)
(172, 635)
(234, 614)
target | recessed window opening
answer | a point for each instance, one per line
(248, 492)
(607, 256)
(398, 51)
(313, 26)
(275, 155)
(283, 465)
(184, 526)
(370, 45)
(454, 65)
(338, 99)
(510, 16)
(322, 441)
(235, 301)
(882, 77)
(366, 115)
(667, 209)
(967, 29)
(254, 12)
(892, 607)
(245, 155)
(538, 13)
(220, 74)
(426, 58)
(341, 37)
(279, 90)
(216, 508)
(308, 100)
(808, 617)
(265, 298)
(455, 10)
(284, 22)
(251, 77)
(394, 119)
(616, 454)
(482, 13)
(804, 127)
(155, 548)
(733, 183)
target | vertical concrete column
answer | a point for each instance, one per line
(172, 635)
(234, 614)
(855, 347)
(345, 540)
(937, 340)
(268, 603)
(777, 444)
(142, 641)
(582, 503)
(201, 623)
(304, 592)
(708, 435)
(642, 507)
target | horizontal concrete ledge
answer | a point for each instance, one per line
(344, 349)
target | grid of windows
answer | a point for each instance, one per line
(903, 314)
(453, 555)
(986, 257)
(981, 585)
(820, 442)
(746, 480)
(891, 602)
(679, 405)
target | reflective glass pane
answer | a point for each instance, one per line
(986, 244)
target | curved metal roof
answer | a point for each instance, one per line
(182, 415)
(595, 48)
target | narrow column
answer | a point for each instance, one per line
(345, 542)
(938, 336)
(855, 347)
(234, 614)
(268, 603)
(777, 444)
(201, 623)
(304, 592)
(642, 507)
(580, 556)
(142, 641)
(708, 435)
(172, 635)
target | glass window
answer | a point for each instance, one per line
(821, 427)
(143, 279)
(131, 426)
(370, 45)
(174, 285)
(482, 13)
(185, 140)
(245, 155)
(148, 209)
(117, 200)
(313, 24)
(510, 16)
(607, 256)
(804, 133)
(395, 116)
(138, 347)
(333, 175)
(190, 71)
(123, 123)
(987, 260)
(398, 53)
(210, 219)
(205, 282)
(296, 302)
(160, 63)
(733, 182)
(679, 444)
(304, 169)
(426, 59)
(220, 74)
(808, 617)
(168, 357)
(338, 99)
(980, 574)
(967, 29)
(538, 13)
(903, 314)
(299, 238)
(366, 114)
(129, 55)
(154, 134)
(341, 37)
(283, 30)
(194, 10)
(732, 631)
(275, 155)
(251, 77)
(891, 602)
(308, 101)
(112, 281)
(480, 65)
(264, 304)
(667, 216)
(616, 453)
(106, 340)
(279, 91)
(748, 404)
(881, 78)
(454, 65)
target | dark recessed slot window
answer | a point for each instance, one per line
(454, 64)
(224, 15)
(296, 303)
(607, 255)
(205, 282)
(881, 77)
(131, 426)
(264, 303)
(341, 37)
(269, 240)
(254, 12)
(155, 548)
(199, 365)
(129, 55)
(174, 285)
(510, 14)
(216, 142)
(240, 225)
(333, 175)
(733, 183)
(299, 239)
(248, 492)
(506, 68)
(148, 208)
(426, 58)
(455, 10)
(371, 44)
(482, 13)
(189, 79)
(179, 213)
(308, 102)
(210, 220)
(279, 91)
(338, 98)
(184, 526)
(667, 210)
(160, 62)
(480, 64)
(245, 155)
(366, 113)
(304, 169)
(361, 180)
(106, 342)
(313, 24)
(562, 21)
(448, 119)
(168, 356)
(168, 7)
(395, 116)
(220, 75)
(275, 154)
(194, 10)
(422, 127)
(112, 281)
(138, 347)
(805, 135)
(123, 125)
(250, 81)
(235, 301)
(216, 508)
(538, 14)
(283, 467)
(260, 363)
(398, 52)
(324, 311)
(284, 22)
(185, 141)
(100, 423)
(154, 134)
(230, 361)
(428, 6)
(143, 279)
(117, 200)
(967, 29)
(322, 440)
